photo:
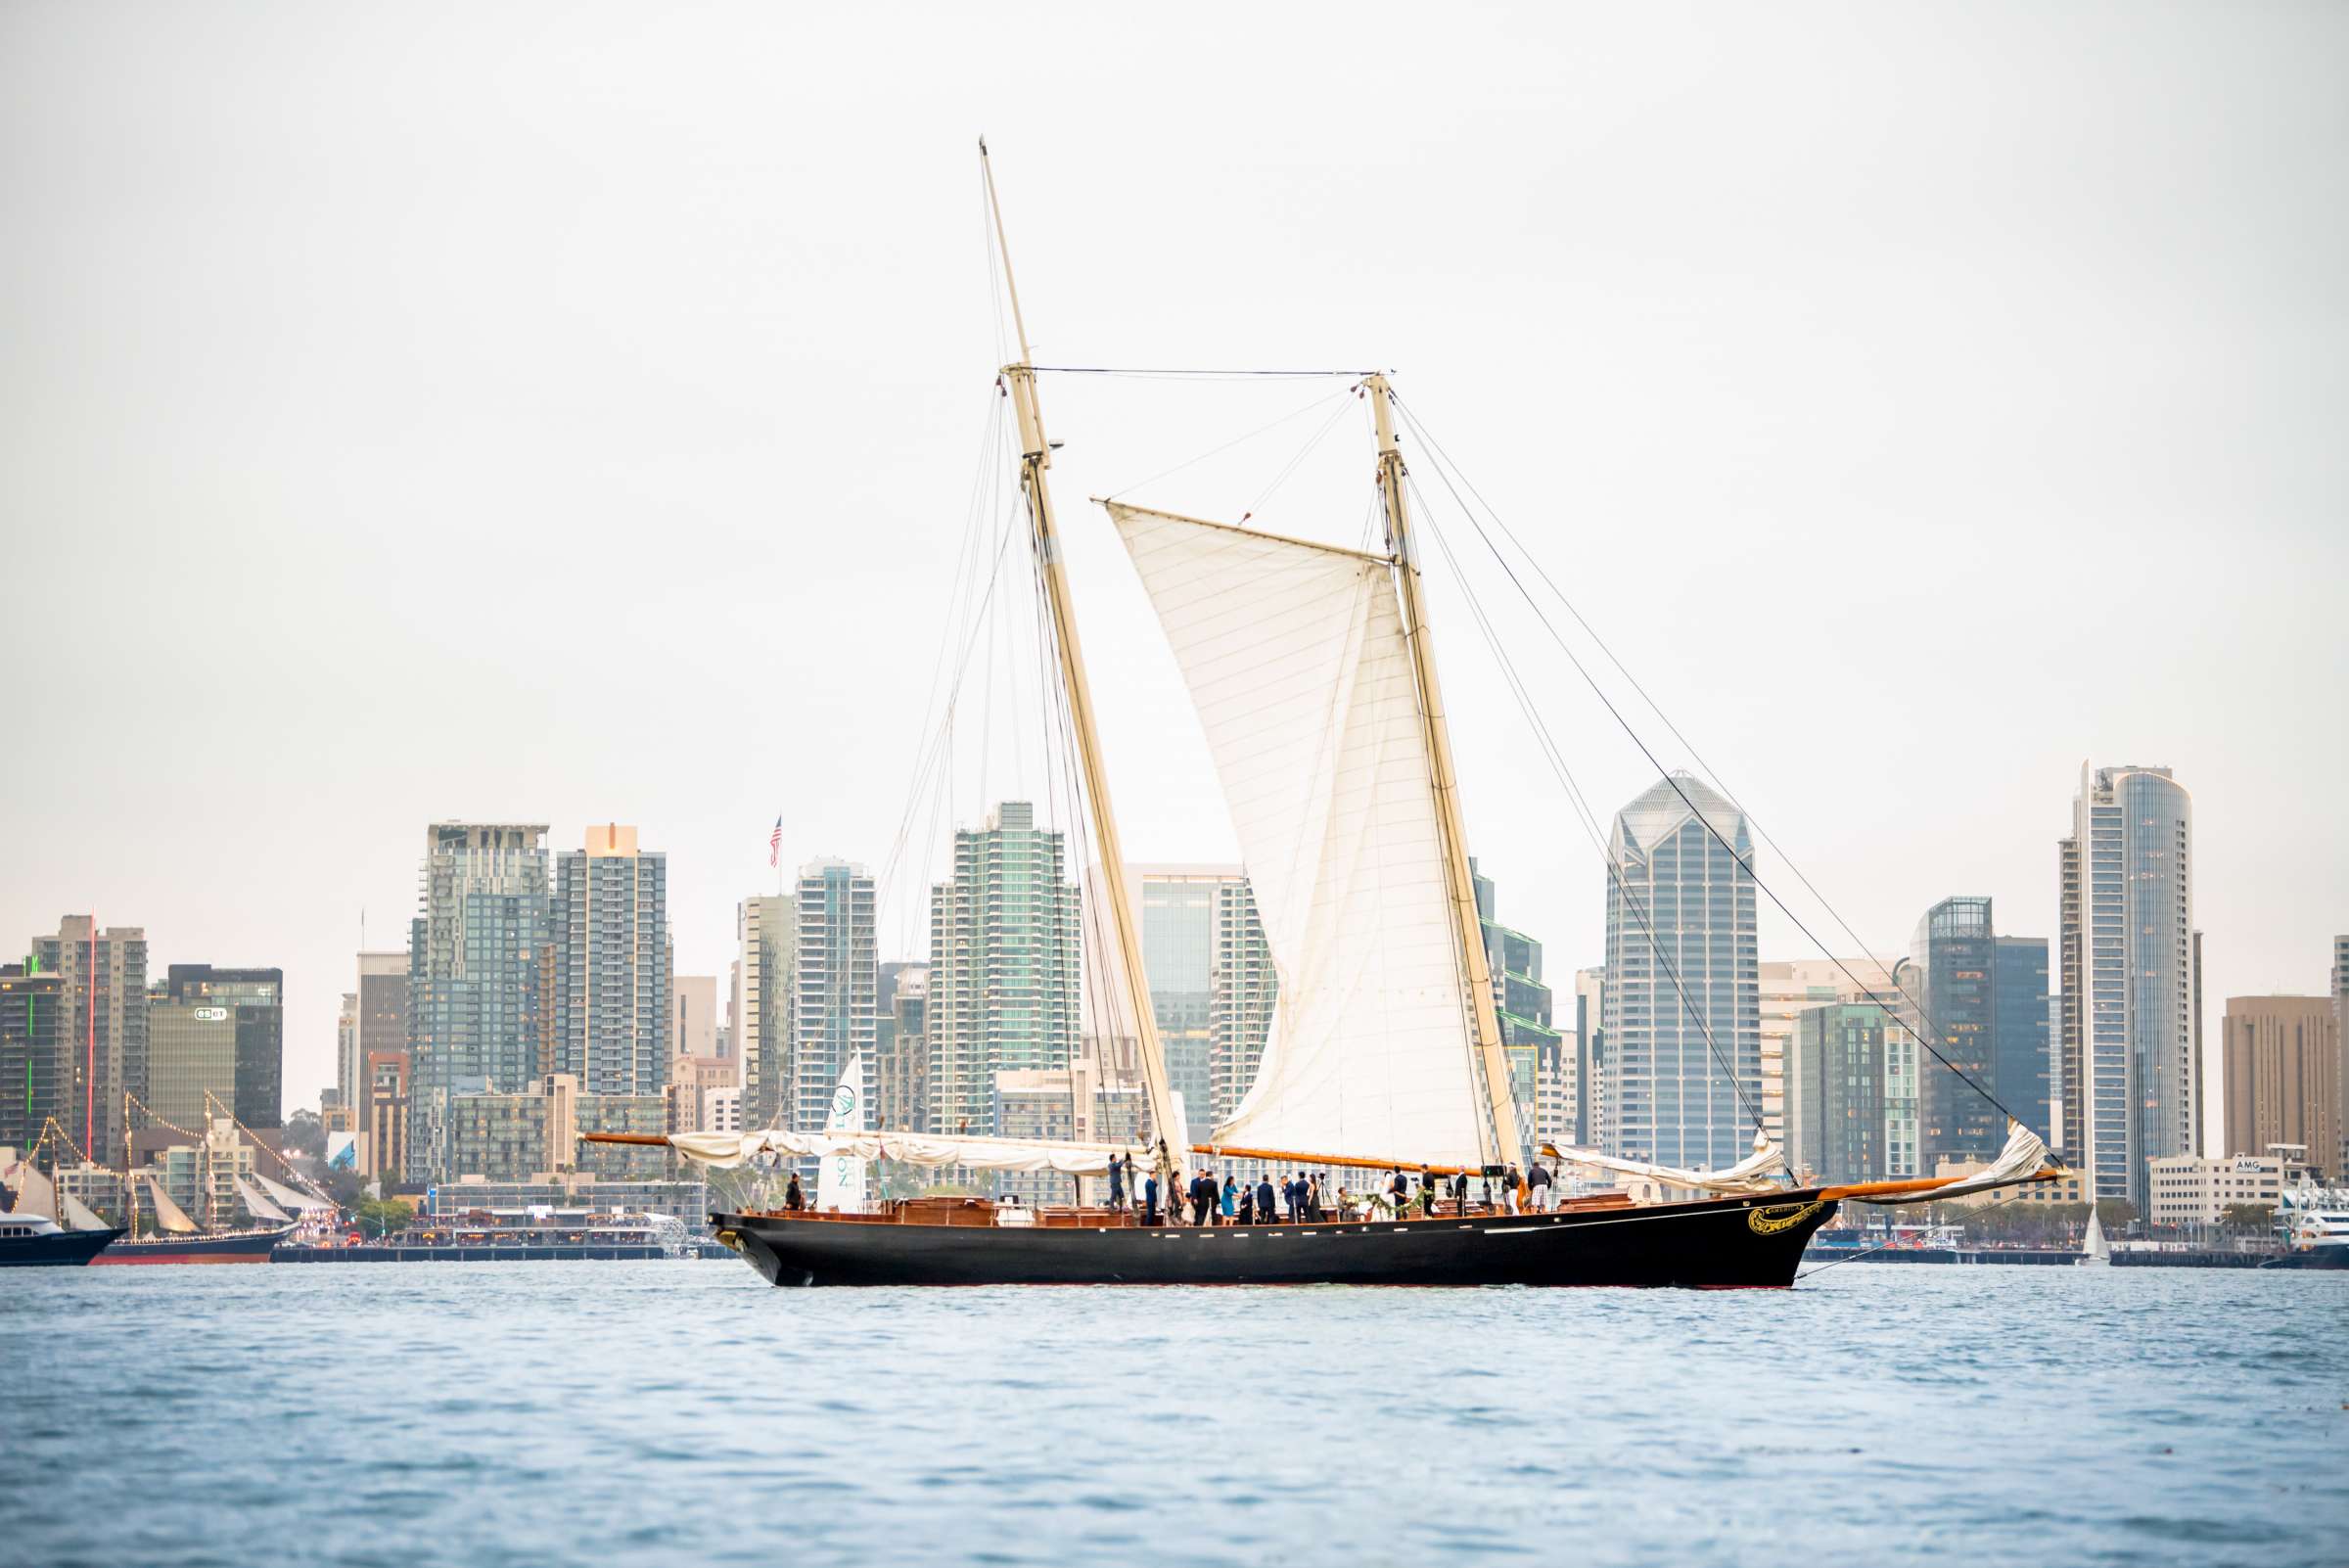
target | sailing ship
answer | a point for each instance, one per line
(1313, 673)
(177, 1238)
(2094, 1248)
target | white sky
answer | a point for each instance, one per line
(568, 412)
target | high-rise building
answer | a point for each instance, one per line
(105, 979)
(478, 953)
(2340, 1029)
(611, 939)
(1791, 988)
(1682, 1003)
(1985, 1008)
(254, 1002)
(835, 987)
(1851, 1090)
(2132, 1082)
(693, 1015)
(2281, 1062)
(1521, 1002)
(2022, 1050)
(763, 927)
(345, 1091)
(1212, 980)
(1005, 965)
(384, 1114)
(382, 1006)
(191, 1059)
(35, 1073)
(1590, 1057)
(902, 1075)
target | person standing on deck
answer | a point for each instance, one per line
(1514, 1184)
(1543, 1184)
(792, 1198)
(1247, 1213)
(1202, 1199)
(1150, 1199)
(1398, 1189)
(1230, 1195)
(1116, 1183)
(1264, 1212)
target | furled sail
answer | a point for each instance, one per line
(168, 1215)
(1753, 1174)
(728, 1150)
(259, 1206)
(1296, 660)
(2024, 1156)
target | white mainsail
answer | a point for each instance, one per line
(839, 1177)
(1296, 660)
(259, 1205)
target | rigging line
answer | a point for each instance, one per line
(966, 557)
(1924, 1032)
(1217, 375)
(942, 741)
(1295, 463)
(1294, 413)
(1891, 976)
(1587, 819)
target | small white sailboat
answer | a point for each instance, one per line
(2094, 1248)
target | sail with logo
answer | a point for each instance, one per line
(839, 1177)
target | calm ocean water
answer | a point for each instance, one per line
(657, 1413)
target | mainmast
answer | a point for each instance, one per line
(1036, 456)
(1459, 881)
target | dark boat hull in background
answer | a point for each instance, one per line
(237, 1247)
(1725, 1243)
(65, 1249)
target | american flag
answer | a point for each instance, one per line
(774, 843)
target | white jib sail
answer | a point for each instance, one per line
(168, 1215)
(75, 1215)
(840, 1178)
(1295, 658)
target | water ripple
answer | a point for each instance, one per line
(534, 1412)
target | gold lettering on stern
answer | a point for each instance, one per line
(1772, 1218)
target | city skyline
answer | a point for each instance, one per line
(2125, 361)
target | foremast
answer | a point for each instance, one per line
(1036, 456)
(1460, 881)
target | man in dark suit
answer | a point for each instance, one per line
(1203, 1196)
(1264, 1215)
(1150, 1199)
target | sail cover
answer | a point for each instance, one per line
(2024, 1156)
(727, 1150)
(1296, 660)
(1753, 1174)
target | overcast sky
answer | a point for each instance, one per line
(569, 413)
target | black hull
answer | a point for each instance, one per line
(1721, 1244)
(67, 1249)
(237, 1247)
